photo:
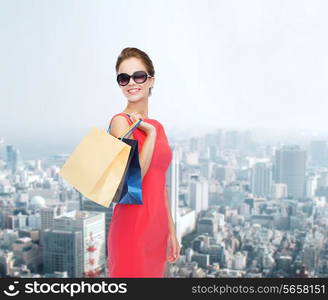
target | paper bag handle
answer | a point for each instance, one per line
(131, 128)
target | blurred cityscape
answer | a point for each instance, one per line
(242, 208)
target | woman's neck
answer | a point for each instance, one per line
(136, 107)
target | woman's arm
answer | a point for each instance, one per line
(146, 152)
(120, 124)
(173, 246)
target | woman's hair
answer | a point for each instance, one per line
(137, 53)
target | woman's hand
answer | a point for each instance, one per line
(173, 248)
(144, 126)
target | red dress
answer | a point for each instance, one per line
(138, 233)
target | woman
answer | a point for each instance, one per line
(141, 238)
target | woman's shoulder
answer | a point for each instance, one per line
(123, 115)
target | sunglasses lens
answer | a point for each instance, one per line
(140, 77)
(123, 79)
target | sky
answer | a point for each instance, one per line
(218, 64)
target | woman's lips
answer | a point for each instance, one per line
(133, 91)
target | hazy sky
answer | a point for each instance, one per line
(238, 64)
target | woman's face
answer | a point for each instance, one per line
(135, 91)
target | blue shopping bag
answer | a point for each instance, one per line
(129, 190)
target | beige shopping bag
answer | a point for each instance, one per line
(96, 166)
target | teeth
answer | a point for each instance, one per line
(133, 90)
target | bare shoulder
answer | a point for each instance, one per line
(119, 125)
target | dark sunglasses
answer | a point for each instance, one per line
(138, 77)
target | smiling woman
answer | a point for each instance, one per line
(138, 76)
(141, 238)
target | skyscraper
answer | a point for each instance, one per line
(92, 226)
(14, 161)
(76, 244)
(172, 183)
(89, 205)
(290, 167)
(262, 179)
(198, 194)
(319, 153)
(62, 251)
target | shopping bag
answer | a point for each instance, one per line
(97, 164)
(130, 189)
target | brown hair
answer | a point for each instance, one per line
(137, 53)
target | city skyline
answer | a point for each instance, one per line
(239, 211)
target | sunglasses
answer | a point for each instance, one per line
(138, 77)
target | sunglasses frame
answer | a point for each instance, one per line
(132, 76)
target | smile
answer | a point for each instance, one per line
(134, 91)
